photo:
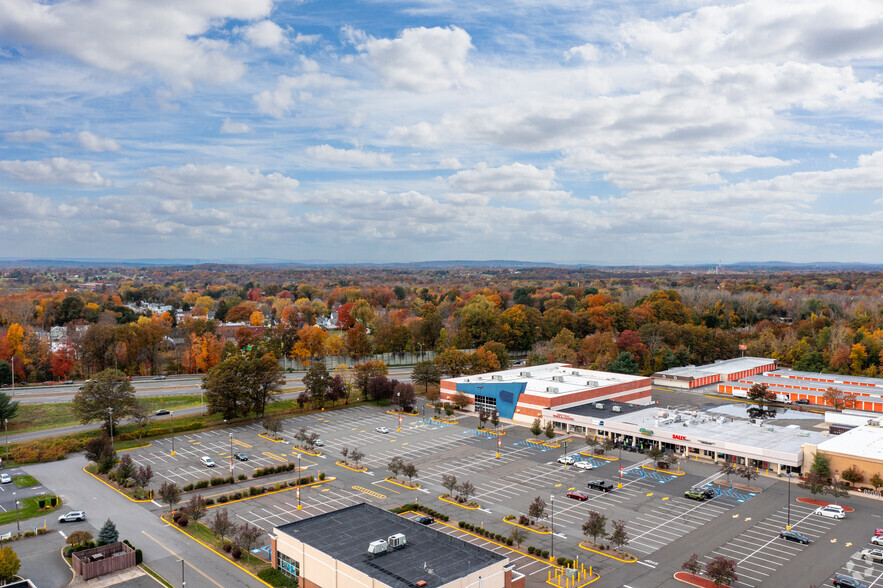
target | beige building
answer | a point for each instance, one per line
(861, 447)
(365, 546)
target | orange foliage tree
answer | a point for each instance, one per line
(203, 354)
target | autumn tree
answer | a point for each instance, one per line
(721, 570)
(853, 474)
(364, 372)
(426, 373)
(839, 399)
(221, 525)
(111, 389)
(317, 382)
(619, 536)
(9, 563)
(203, 353)
(762, 397)
(169, 493)
(595, 526)
(536, 509)
(240, 384)
(404, 396)
(310, 344)
(692, 565)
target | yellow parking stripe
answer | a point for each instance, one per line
(241, 443)
(274, 456)
(369, 492)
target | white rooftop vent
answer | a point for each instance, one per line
(558, 378)
(397, 540)
(379, 546)
(525, 374)
(616, 408)
(497, 377)
(592, 383)
(552, 389)
(599, 406)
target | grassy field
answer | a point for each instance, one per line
(27, 509)
(38, 417)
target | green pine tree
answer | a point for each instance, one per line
(108, 533)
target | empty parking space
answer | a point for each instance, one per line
(867, 572)
(759, 552)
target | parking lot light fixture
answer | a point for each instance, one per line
(552, 522)
(564, 443)
(788, 526)
(17, 524)
(172, 431)
(231, 453)
(110, 412)
(298, 481)
(6, 431)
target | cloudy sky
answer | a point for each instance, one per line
(606, 131)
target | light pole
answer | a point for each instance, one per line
(172, 432)
(552, 522)
(399, 428)
(17, 525)
(183, 583)
(6, 431)
(110, 412)
(12, 359)
(620, 462)
(788, 526)
(298, 481)
(231, 454)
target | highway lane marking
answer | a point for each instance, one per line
(201, 573)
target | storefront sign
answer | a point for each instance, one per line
(645, 431)
(706, 442)
(566, 417)
(679, 437)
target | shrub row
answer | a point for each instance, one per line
(233, 549)
(485, 533)
(139, 557)
(45, 450)
(258, 490)
(420, 508)
(276, 578)
(284, 467)
(217, 481)
(563, 561)
(534, 551)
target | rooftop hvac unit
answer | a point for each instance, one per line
(592, 383)
(497, 377)
(552, 389)
(525, 374)
(574, 373)
(599, 406)
(379, 546)
(557, 378)
(397, 540)
(616, 408)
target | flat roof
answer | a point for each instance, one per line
(720, 428)
(839, 378)
(588, 409)
(719, 367)
(551, 379)
(345, 534)
(778, 385)
(865, 441)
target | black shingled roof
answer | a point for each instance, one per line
(345, 534)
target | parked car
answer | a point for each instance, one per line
(877, 539)
(792, 535)
(841, 581)
(320, 443)
(161, 412)
(207, 461)
(578, 495)
(159, 377)
(832, 510)
(584, 465)
(801, 401)
(5, 478)
(74, 515)
(600, 485)
(873, 554)
(240, 456)
(567, 460)
(425, 520)
(878, 532)
(696, 494)
(382, 430)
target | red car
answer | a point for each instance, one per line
(577, 495)
(878, 532)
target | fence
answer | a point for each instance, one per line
(389, 359)
(98, 561)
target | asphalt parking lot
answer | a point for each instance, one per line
(660, 521)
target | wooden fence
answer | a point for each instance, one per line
(98, 561)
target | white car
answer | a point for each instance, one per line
(584, 465)
(877, 539)
(567, 460)
(382, 430)
(207, 461)
(5, 478)
(873, 554)
(320, 443)
(832, 510)
(76, 515)
(159, 377)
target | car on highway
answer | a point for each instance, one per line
(584, 465)
(792, 535)
(207, 461)
(832, 511)
(843, 581)
(68, 382)
(577, 495)
(600, 485)
(159, 377)
(877, 540)
(873, 554)
(240, 456)
(74, 515)
(161, 412)
(424, 520)
(5, 478)
(567, 460)
(382, 430)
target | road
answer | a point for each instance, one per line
(178, 386)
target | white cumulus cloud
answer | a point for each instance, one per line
(265, 34)
(349, 156)
(91, 142)
(29, 136)
(220, 183)
(230, 127)
(56, 170)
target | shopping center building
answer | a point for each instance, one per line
(861, 447)
(725, 370)
(522, 394)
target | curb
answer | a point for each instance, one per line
(305, 452)
(270, 438)
(693, 580)
(131, 448)
(607, 555)
(390, 480)
(814, 502)
(528, 528)
(174, 526)
(460, 505)
(113, 488)
(493, 432)
(244, 498)
(591, 456)
(349, 468)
